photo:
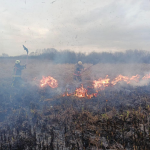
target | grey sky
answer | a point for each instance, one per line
(79, 25)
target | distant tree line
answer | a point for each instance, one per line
(67, 56)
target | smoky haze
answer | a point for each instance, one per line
(72, 57)
(81, 26)
(61, 65)
(111, 38)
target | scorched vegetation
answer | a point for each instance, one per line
(46, 118)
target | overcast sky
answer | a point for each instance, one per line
(78, 25)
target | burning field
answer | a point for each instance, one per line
(109, 109)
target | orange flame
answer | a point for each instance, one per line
(147, 76)
(81, 92)
(101, 82)
(120, 78)
(135, 78)
(92, 95)
(67, 94)
(50, 81)
(125, 79)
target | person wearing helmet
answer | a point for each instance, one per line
(17, 72)
(78, 69)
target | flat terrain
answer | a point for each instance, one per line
(64, 72)
(41, 118)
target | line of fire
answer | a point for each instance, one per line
(74, 110)
(97, 85)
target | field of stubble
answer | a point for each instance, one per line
(32, 118)
(64, 72)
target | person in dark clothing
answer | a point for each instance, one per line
(78, 69)
(17, 73)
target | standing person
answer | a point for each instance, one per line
(78, 69)
(17, 73)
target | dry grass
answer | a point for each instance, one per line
(81, 120)
(64, 72)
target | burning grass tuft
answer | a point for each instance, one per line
(102, 122)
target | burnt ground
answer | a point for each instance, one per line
(34, 118)
(41, 118)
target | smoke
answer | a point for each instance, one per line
(61, 65)
(71, 57)
(29, 99)
(130, 74)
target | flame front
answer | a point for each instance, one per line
(120, 78)
(147, 76)
(98, 85)
(125, 79)
(135, 78)
(101, 83)
(81, 92)
(50, 81)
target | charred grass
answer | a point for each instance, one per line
(35, 118)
